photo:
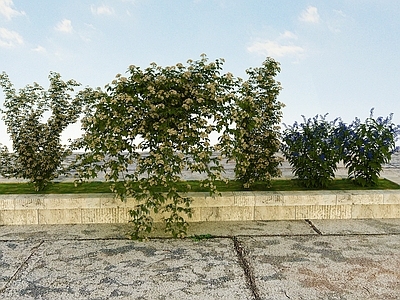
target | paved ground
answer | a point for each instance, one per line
(342, 259)
(310, 259)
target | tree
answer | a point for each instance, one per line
(169, 113)
(257, 114)
(35, 119)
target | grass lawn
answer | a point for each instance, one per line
(277, 185)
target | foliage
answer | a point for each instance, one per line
(257, 114)
(310, 149)
(170, 113)
(365, 147)
(314, 148)
(35, 119)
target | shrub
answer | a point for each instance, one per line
(168, 112)
(310, 149)
(257, 114)
(35, 119)
(365, 147)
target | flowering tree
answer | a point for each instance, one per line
(257, 114)
(168, 112)
(38, 153)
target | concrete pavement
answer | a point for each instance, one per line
(309, 259)
(304, 259)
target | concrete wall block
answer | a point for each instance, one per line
(274, 212)
(392, 211)
(200, 198)
(91, 202)
(123, 215)
(196, 215)
(234, 213)
(110, 202)
(89, 215)
(100, 215)
(244, 198)
(19, 217)
(226, 199)
(29, 203)
(309, 198)
(130, 203)
(344, 198)
(367, 197)
(6, 204)
(108, 215)
(159, 217)
(323, 212)
(268, 198)
(62, 203)
(391, 197)
(343, 211)
(60, 216)
(377, 211)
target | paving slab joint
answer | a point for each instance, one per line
(313, 226)
(25, 262)
(241, 254)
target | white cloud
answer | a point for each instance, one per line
(339, 12)
(288, 35)
(9, 38)
(64, 26)
(337, 21)
(310, 15)
(102, 10)
(39, 49)
(7, 10)
(275, 49)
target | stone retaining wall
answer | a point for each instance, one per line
(230, 206)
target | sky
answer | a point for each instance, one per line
(337, 56)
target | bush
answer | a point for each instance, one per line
(365, 147)
(170, 113)
(257, 114)
(310, 149)
(314, 148)
(35, 119)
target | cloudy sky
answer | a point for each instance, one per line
(339, 56)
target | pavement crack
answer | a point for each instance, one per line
(313, 226)
(24, 263)
(241, 254)
(286, 295)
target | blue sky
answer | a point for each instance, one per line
(339, 56)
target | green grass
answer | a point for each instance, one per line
(277, 185)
